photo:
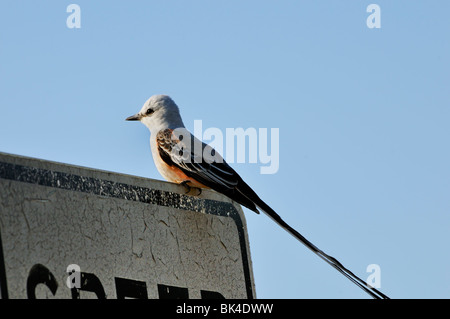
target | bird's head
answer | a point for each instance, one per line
(159, 112)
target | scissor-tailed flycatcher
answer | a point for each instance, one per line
(181, 158)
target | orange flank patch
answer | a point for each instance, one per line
(177, 176)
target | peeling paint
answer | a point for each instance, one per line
(112, 225)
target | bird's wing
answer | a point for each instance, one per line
(179, 147)
(200, 161)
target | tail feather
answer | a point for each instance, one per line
(247, 192)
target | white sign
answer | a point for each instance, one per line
(71, 232)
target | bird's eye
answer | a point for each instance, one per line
(149, 111)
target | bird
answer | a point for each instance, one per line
(183, 159)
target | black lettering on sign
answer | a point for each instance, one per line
(206, 294)
(172, 292)
(3, 286)
(130, 288)
(39, 274)
(89, 282)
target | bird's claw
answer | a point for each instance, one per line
(190, 188)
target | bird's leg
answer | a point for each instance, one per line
(186, 186)
(189, 188)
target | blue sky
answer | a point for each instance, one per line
(363, 116)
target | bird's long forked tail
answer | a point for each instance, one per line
(374, 293)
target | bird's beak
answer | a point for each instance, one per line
(135, 117)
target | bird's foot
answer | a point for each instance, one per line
(189, 189)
